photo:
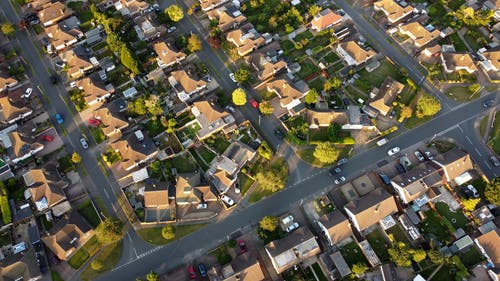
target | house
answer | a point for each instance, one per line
(325, 19)
(353, 54)
(492, 5)
(131, 7)
(61, 39)
(265, 67)
(68, 235)
(420, 35)
(454, 163)
(37, 5)
(94, 91)
(370, 209)
(246, 39)
(228, 17)
(156, 195)
(245, 267)
(45, 187)
(321, 119)
(189, 190)
(23, 145)
(335, 227)
(184, 85)
(491, 61)
(110, 124)
(453, 62)
(430, 54)
(293, 249)
(21, 265)
(166, 56)
(7, 82)
(207, 5)
(288, 95)
(52, 13)
(392, 10)
(12, 111)
(489, 244)
(146, 29)
(415, 184)
(76, 65)
(211, 119)
(385, 95)
(135, 150)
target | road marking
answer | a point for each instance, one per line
(487, 164)
(468, 139)
(133, 248)
(106, 193)
(461, 130)
(480, 155)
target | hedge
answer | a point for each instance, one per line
(4, 205)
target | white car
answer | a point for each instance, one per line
(288, 219)
(171, 29)
(28, 93)
(393, 151)
(419, 156)
(340, 180)
(292, 227)
(84, 143)
(428, 154)
(202, 206)
(227, 200)
(231, 75)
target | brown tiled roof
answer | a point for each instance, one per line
(111, 124)
(456, 61)
(265, 68)
(131, 155)
(60, 38)
(6, 81)
(76, 65)
(493, 57)
(45, 183)
(491, 243)
(286, 92)
(392, 10)
(188, 190)
(38, 4)
(156, 195)
(337, 225)
(210, 4)
(9, 110)
(20, 142)
(188, 84)
(325, 18)
(244, 267)
(388, 92)
(418, 33)
(20, 266)
(455, 163)
(167, 55)
(359, 54)
(135, 6)
(325, 118)
(93, 91)
(53, 12)
(226, 20)
(211, 113)
(244, 39)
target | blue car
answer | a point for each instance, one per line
(59, 118)
(202, 270)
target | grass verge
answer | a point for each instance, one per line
(108, 258)
(153, 235)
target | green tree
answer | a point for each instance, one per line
(128, 60)
(96, 265)
(326, 152)
(138, 106)
(470, 204)
(7, 28)
(312, 96)
(333, 83)
(152, 276)
(435, 256)
(269, 223)
(273, 176)
(152, 104)
(359, 268)
(168, 232)
(194, 43)
(110, 230)
(492, 192)
(76, 158)
(419, 255)
(406, 112)
(266, 108)
(400, 254)
(242, 75)
(175, 13)
(314, 10)
(427, 105)
(265, 151)
(333, 132)
(469, 17)
(239, 97)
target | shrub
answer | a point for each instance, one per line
(96, 265)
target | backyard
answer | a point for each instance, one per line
(379, 244)
(218, 143)
(153, 235)
(188, 132)
(457, 218)
(88, 212)
(183, 163)
(353, 254)
(203, 156)
(398, 234)
(434, 227)
(471, 257)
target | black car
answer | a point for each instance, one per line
(278, 133)
(54, 79)
(488, 103)
(401, 169)
(335, 171)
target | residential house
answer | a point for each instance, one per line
(246, 39)
(146, 29)
(68, 235)
(189, 190)
(288, 95)
(7, 82)
(21, 265)
(207, 5)
(211, 119)
(45, 187)
(384, 96)
(131, 7)
(353, 54)
(110, 124)
(156, 195)
(325, 19)
(293, 249)
(76, 65)
(370, 209)
(392, 10)
(492, 5)
(60, 38)
(52, 13)
(491, 61)
(166, 56)
(430, 54)
(489, 244)
(453, 62)
(265, 67)
(94, 91)
(23, 144)
(37, 5)
(336, 228)
(245, 267)
(415, 184)
(12, 111)
(228, 17)
(321, 119)
(184, 85)
(225, 168)
(454, 163)
(135, 150)
(420, 35)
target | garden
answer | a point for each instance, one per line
(89, 249)
(87, 210)
(379, 244)
(352, 254)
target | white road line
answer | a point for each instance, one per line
(487, 164)
(106, 193)
(480, 155)
(468, 139)
(460, 128)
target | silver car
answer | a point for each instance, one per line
(84, 143)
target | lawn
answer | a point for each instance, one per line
(368, 80)
(258, 194)
(461, 94)
(89, 213)
(457, 218)
(379, 244)
(306, 154)
(267, 95)
(319, 273)
(218, 143)
(475, 39)
(494, 141)
(320, 134)
(353, 254)
(457, 42)
(153, 235)
(97, 134)
(482, 126)
(414, 121)
(55, 276)
(188, 132)
(307, 35)
(287, 45)
(331, 57)
(398, 233)
(88, 250)
(471, 257)
(183, 164)
(245, 182)
(307, 68)
(203, 156)
(432, 226)
(317, 83)
(108, 258)
(65, 164)
(154, 127)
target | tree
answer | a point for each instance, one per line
(406, 112)
(239, 97)
(169, 124)
(128, 60)
(470, 204)
(427, 105)
(242, 75)
(273, 177)
(492, 192)
(96, 265)
(326, 152)
(194, 43)
(435, 256)
(333, 132)
(76, 158)
(332, 83)
(359, 268)
(400, 254)
(469, 17)
(266, 108)
(314, 10)
(109, 231)
(7, 28)
(152, 104)
(269, 223)
(137, 106)
(152, 276)
(168, 232)
(419, 255)
(312, 96)
(175, 13)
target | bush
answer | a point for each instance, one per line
(389, 131)
(96, 265)
(265, 151)
(4, 204)
(109, 231)
(168, 232)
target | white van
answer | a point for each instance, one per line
(382, 142)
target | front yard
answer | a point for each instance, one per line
(368, 80)
(88, 250)
(245, 182)
(153, 235)
(107, 259)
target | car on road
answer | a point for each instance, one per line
(488, 103)
(382, 141)
(278, 133)
(254, 103)
(470, 191)
(192, 272)
(84, 143)
(340, 180)
(288, 219)
(27, 93)
(392, 114)
(202, 269)
(243, 246)
(230, 109)
(59, 118)
(494, 161)
(231, 75)
(48, 138)
(227, 200)
(419, 156)
(335, 171)
(54, 79)
(428, 154)
(292, 227)
(342, 161)
(393, 151)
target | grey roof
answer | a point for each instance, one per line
(300, 235)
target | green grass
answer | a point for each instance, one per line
(183, 164)
(398, 233)
(331, 57)
(307, 68)
(89, 213)
(55, 276)
(153, 235)
(188, 132)
(433, 226)
(97, 134)
(320, 134)
(108, 257)
(267, 95)
(457, 42)
(258, 194)
(319, 272)
(207, 155)
(471, 257)
(287, 45)
(89, 249)
(414, 121)
(5, 239)
(218, 143)
(379, 244)
(307, 154)
(353, 254)
(494, 141)
(443, 274)
(245, 182)
(368, 80)
(317, 83)
(457, 216)
(304, 35)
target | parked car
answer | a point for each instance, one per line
(202, 206)
(392, 114)
(470, 191)
(494, 161)
(243, 246)
(393, 151)
(231, 75)
(428, 154)
(202, 269)
(488, 103)
(54, 79)
(254, 103)
(340, 180)
(278, 133)
(230, 109)
(341, 161)
(27, 93)
(292, 227)
(401, 169)
(382, 141)
(171, 29)
(335, 171)
(59, 118)
(288, 219)
(192, 272)
(419, 156)
(60, 64)
(385, 179)
(84, 143)
(227, 200)
(48, 138)
(95, 122)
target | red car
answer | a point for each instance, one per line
(48, 138)
(192, 273)
(254, 103)
(94, 122)
(243, 246)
